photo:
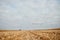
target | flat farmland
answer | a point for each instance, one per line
(30, 34)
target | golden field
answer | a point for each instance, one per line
(30, 34)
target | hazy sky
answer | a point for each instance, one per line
(29, 14)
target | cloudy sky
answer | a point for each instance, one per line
(29, 14)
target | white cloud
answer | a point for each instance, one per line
(22, 13)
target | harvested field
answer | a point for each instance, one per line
(30, 35)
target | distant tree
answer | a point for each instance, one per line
(19, 29)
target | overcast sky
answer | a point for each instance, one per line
(29, 14)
